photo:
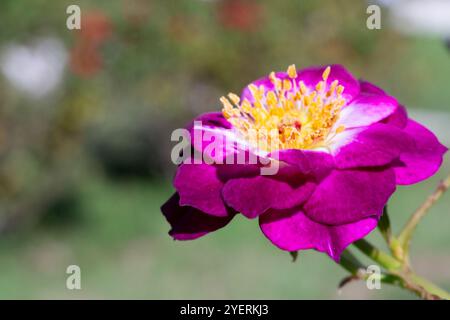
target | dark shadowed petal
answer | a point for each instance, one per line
(189, 223)
(377, 145)
(422, 159)
(200, 187)
(292, 230)
(347, 196)
(254, 195)
(226, 172)
(365, 110)
(311, 76)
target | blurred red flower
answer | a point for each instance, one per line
(85, 56)
(85, 59)
(241, 15)
(95, 26)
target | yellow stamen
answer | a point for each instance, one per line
(326, 73)
(287, 85)
(292, 72)
(303, 89)
(340, 129)
(291, 116)
(234, 97)
(320, 86)
(226, 103)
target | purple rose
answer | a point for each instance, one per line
(342, 146)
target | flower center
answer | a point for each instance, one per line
(289, 116)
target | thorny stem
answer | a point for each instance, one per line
(398, 271)
(406, 234)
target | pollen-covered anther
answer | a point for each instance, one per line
(292, 72)
(289, 114)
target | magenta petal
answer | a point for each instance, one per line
(200, 187)
(365, 110)
(315, 163)
(189, 223)
(212, 135)
(292, 230)
(367, 87)
(377, 145)
(312, 76)
(399, 118)
(347, 196)
(422, 159)
(212, 119)
(253, 196)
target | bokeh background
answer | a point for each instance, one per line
(85, 123)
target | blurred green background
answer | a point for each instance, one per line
(85, 123)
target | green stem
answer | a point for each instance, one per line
(399, 275)
(385, 260)
(384, 225)
(398, 268)
(350, 263)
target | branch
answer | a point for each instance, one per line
(406, 234)
(405, 279)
